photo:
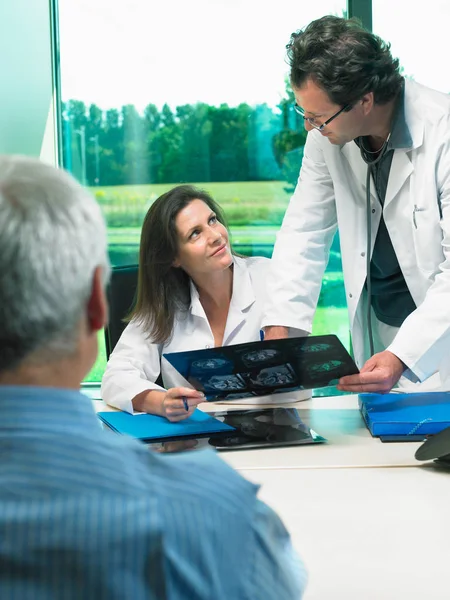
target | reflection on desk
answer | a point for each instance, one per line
(253, 428)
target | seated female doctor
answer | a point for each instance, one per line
(193, 292)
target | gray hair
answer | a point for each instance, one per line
(52, 238)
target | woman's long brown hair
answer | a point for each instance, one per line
(162, 288)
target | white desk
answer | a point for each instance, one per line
(366, 534)
(350, 444)
(338, 419)
(369, 521)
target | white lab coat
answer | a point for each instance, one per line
(136, 362)
(331, 193)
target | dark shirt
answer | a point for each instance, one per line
(390, 297)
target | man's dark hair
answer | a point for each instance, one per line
(343, 59)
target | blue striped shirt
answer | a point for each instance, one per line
(85, 513)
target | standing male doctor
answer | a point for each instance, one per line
(376, 165)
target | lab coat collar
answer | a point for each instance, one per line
(401, 167)
(243, 298)
(196, 308)
(243, 294)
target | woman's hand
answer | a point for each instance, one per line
(176, 400)
(175, 404)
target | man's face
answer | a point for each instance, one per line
(317, 105)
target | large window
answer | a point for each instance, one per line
(158, 94)
(419, 38)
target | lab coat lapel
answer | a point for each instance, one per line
(401, 169)
(242, 300)
(196, 311)
(358, 166)
(196, 307)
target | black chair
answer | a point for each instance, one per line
(121, 294)
(437, 448)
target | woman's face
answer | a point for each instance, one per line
(203, 245)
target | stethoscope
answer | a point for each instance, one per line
(370, 163)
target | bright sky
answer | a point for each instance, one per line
(419, 34)
(218, 51)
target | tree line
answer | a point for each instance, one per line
(191, 143)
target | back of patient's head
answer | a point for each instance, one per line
(52, 238)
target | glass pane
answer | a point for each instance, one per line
(151, 98)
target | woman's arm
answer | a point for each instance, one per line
(129, 379)
(133, 368)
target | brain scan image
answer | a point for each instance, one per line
(313, 348)
(224, 383)
(325, 367)
(271, 376)
(208, 364)
(258, 356)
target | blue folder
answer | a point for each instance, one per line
(152, 428)
(405, 414)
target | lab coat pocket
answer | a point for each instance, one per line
(427, 236)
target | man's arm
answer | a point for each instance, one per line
(275, 332)
(277, 571)
(302, 247)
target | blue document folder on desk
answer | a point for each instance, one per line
(152, 427)
(405, 414)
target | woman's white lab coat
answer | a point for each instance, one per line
(136, 362)
(331, 193)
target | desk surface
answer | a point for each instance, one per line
(369, 521)
(366, 534)
(338, 419)
(349, 442)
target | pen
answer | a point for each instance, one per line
(185, 402)
(416, 210)
(261, 335)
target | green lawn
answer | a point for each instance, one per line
(244, 203)
(225, 193)
(241, 234)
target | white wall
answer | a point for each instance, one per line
(26, 88)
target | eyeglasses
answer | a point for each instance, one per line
(312, 121)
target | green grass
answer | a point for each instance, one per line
(330, 319)
(244, 203)
(242, 234)
(96, 373)
(225, 193)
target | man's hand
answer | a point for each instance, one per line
(275, 332)
(379, 374)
